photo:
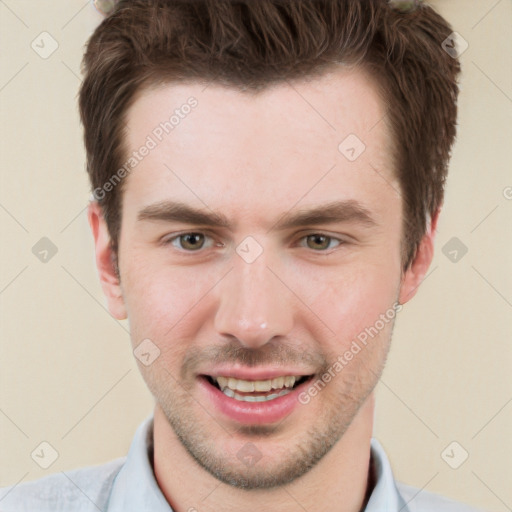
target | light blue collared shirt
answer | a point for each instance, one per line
(128, 484)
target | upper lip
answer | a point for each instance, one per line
(255, 373)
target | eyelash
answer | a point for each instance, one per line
(169, 241)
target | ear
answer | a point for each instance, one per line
(419, 266)
(105, 262)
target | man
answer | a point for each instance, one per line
(267, 181)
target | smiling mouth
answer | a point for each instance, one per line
(257, 390)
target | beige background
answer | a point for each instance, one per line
(68, 376)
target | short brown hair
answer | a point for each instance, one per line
(250, 44)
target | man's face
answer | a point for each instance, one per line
(261, 297)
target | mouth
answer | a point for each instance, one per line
(261, 397)
(256, 390)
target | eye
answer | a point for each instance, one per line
(189, 242)
(321, 242)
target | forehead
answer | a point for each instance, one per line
(308, 140)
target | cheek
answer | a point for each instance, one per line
(163, 305)
(350, 299)
(161, 300)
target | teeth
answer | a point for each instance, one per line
(222, 382)
(262, 385)
(278, 383)
(248, 386)
(289, 382)
(248, 398)
(243, 385)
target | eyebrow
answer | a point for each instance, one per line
(330, 213)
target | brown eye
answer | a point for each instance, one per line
(320, 242)
(191, 241)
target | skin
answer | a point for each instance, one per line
(254, 158)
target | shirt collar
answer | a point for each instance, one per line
(385, 496)
(135, 488)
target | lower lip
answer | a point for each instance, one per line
(253, 413)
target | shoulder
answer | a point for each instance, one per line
(419, 500)
(82, 490)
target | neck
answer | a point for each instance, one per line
(340, 478)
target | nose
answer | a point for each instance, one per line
(254, 305)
